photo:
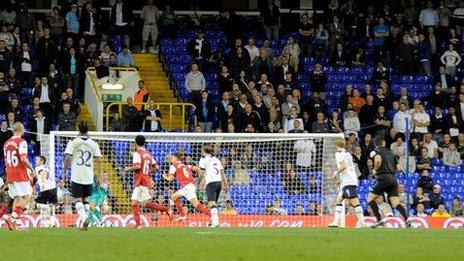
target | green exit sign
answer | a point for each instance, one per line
(111, 97)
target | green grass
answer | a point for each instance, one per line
(231, 244)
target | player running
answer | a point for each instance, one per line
(17, 178)
(47, 198)
(184, 176)
(80, 152)
(143, 164)
(212, 171)
(100, 192)
(348, 184)
(385, 166)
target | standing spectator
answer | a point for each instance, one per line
(294, 50)
(306, 33)
(152, 118)
(444, 15)
(400, 119)
(121, 19)
(425, 56)
(72, 21)
(199, 49)
(262, 111)
(5, 134)
(321, 41)
(225, 80)
(141, 96)
(205, 111)
(428, 17)
(421, 121)
(367, 112)
(318, 80)
(150, 16)
(195, 82)
(89, 23)
(25, 63)
(290, 181)
(72, 68)
(45, 51)
(168, 22)
(16, 109)
(57, 24)
(253, 51)
(67, 119)
(239, 62)
(450, 59)
(270, 16)
(125, 58)
(131, 116)
(336, 32)
(6, 57)
(405, 57)
(45, 93)
(117, 123)
(381, 32)
(40, 125)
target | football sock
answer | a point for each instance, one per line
(214, 216)
(180, 208)
(44, 209)
(17, 212)
(98, 214)
(203, 209)
(375, 209)
(358, 211)
(3, 209)
(136, 212)
(90, 217)
(402, 211)
(80, 209)
(157, 207)
(338, 213)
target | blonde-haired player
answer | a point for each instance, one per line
(346, 172)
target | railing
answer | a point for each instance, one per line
(183, 108)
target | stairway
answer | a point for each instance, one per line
(155, 80)
(85, 115)
(120, 195)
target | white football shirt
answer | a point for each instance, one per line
(347, 177)
(83, 151)
(212, 167)
(48, 181)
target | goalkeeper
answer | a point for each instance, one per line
(100, 192)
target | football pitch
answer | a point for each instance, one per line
(231, 244)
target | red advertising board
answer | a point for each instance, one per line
(256, 221)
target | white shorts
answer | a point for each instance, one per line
(189, 192)
(19, 189)
(140, 194)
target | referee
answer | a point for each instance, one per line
(213, 172)
(385, 166)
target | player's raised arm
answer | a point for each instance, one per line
(136, 163)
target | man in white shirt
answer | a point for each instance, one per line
(431, 145)
(47, 198)
(253, 51)
(428, 17)
(212, 171)
(400, 119)
(304, 150)
(421, 122)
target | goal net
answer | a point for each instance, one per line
(275, 180)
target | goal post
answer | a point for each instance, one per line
(274, 179)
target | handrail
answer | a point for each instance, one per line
(171, 105)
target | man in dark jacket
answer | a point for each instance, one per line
(205, 111)
(152, 117)
(45, 51)
(200, 49)
(131, 116)
(435, 197)
(38, 126)
(121, 20)
(67, 119)
(318, 79)
(250, 117)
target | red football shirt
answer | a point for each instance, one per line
(183, 174)
(14, 148)
(146, 161)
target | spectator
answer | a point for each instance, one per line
(67, 119)
(359, 57)
(199, 49)
(420, 198)
(72, 69)
(321, 41)
(441, 212)
(335, 123)
(405, 57)
(421, 121)
(150, 16)
(195, 82)
(452, 123)
(444, 78)
(383, 124)
(435, 197)
(72, 22)
(125, 58)
(299, 210)
(266, 47)
(262, 111)
(450, 59)
(275, 208)
(121, 19)
(381, 32)
(240, 175)
(228, 117)
(152, 118)
(345, 97)
(320, 125)
(424, 162)
(250, 117)
(141, 96)
(380, 74)
(411, 168)
(16, 109)
(39, 126)
(351, 122)
(252, 50)
(384, 208)
(131, 116)
(367, 110)
(205, 111)
(428, 17)
(89, 22)
(46, 96)
(305, 149)
(315, 105)
(229, 209)
(437, 124)
(281, 71)
(400, 119)
(456, 208)
(438, 97)
(270, 16)
(225, 80)
(117, 123)
(6, 57)
(451, 156)
(420, 211)
(57, 24)
(357, 102)
(240, 61)
(262, 65)
(403, 196)
(339, 56)
(398, 147)
(290, 181)
(318, 80)
(425, 56)
(306, 33)
(336, 33)
(297, 127)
